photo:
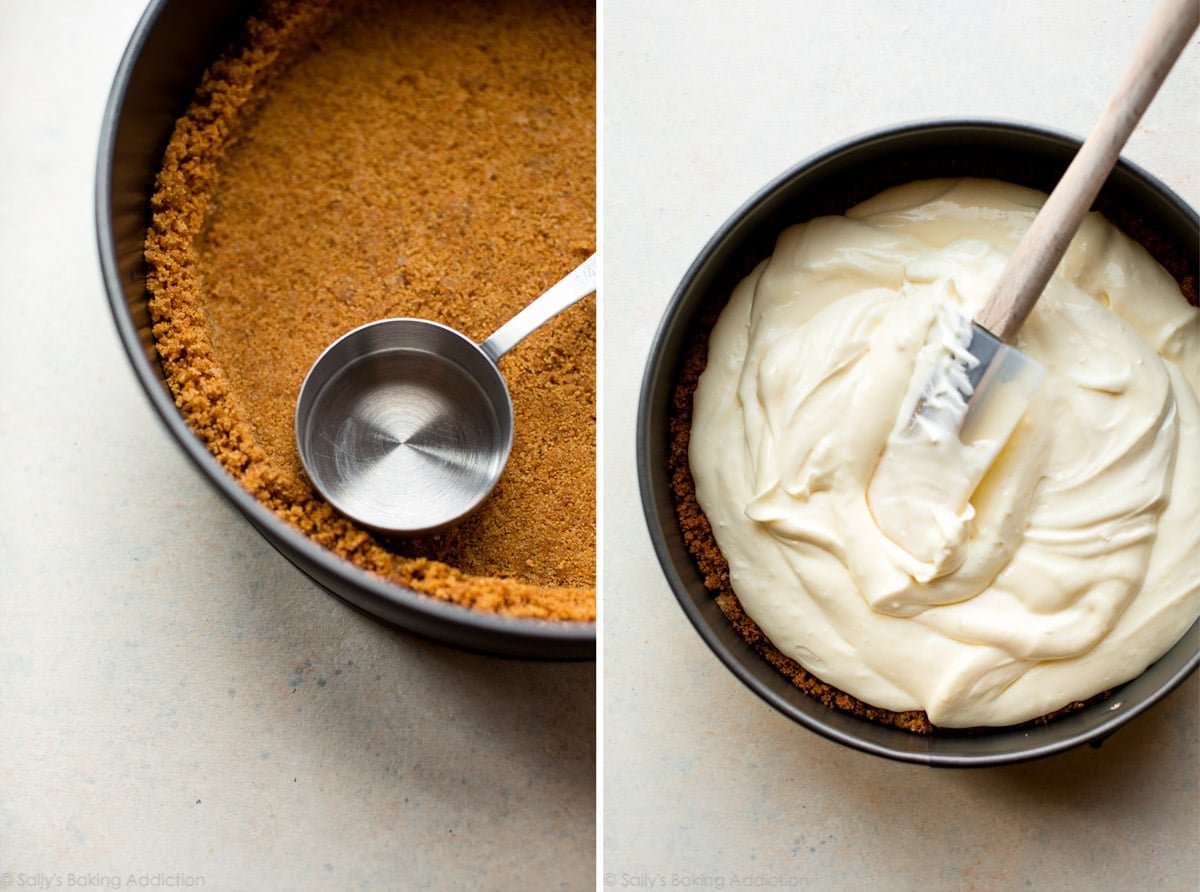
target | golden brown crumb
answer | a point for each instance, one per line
(344, 165)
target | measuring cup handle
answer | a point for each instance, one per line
(575, 287)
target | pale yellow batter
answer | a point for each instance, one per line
(1073, 566)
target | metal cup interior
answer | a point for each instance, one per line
(404, 425)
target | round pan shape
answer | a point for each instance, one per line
(173, 44)
(830, 183)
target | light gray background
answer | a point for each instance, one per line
(176, 701)
(704, 103)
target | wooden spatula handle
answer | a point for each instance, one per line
(1043, 245)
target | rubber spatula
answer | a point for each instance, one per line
(994, 381)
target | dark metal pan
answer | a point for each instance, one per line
(831, 182)
(173, 44)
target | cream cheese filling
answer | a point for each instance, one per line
(1074, 564)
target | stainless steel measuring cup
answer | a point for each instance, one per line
(405, 425)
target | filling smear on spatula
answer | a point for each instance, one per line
(967, 396)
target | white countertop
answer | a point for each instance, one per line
(704, 785)
(178, 704)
